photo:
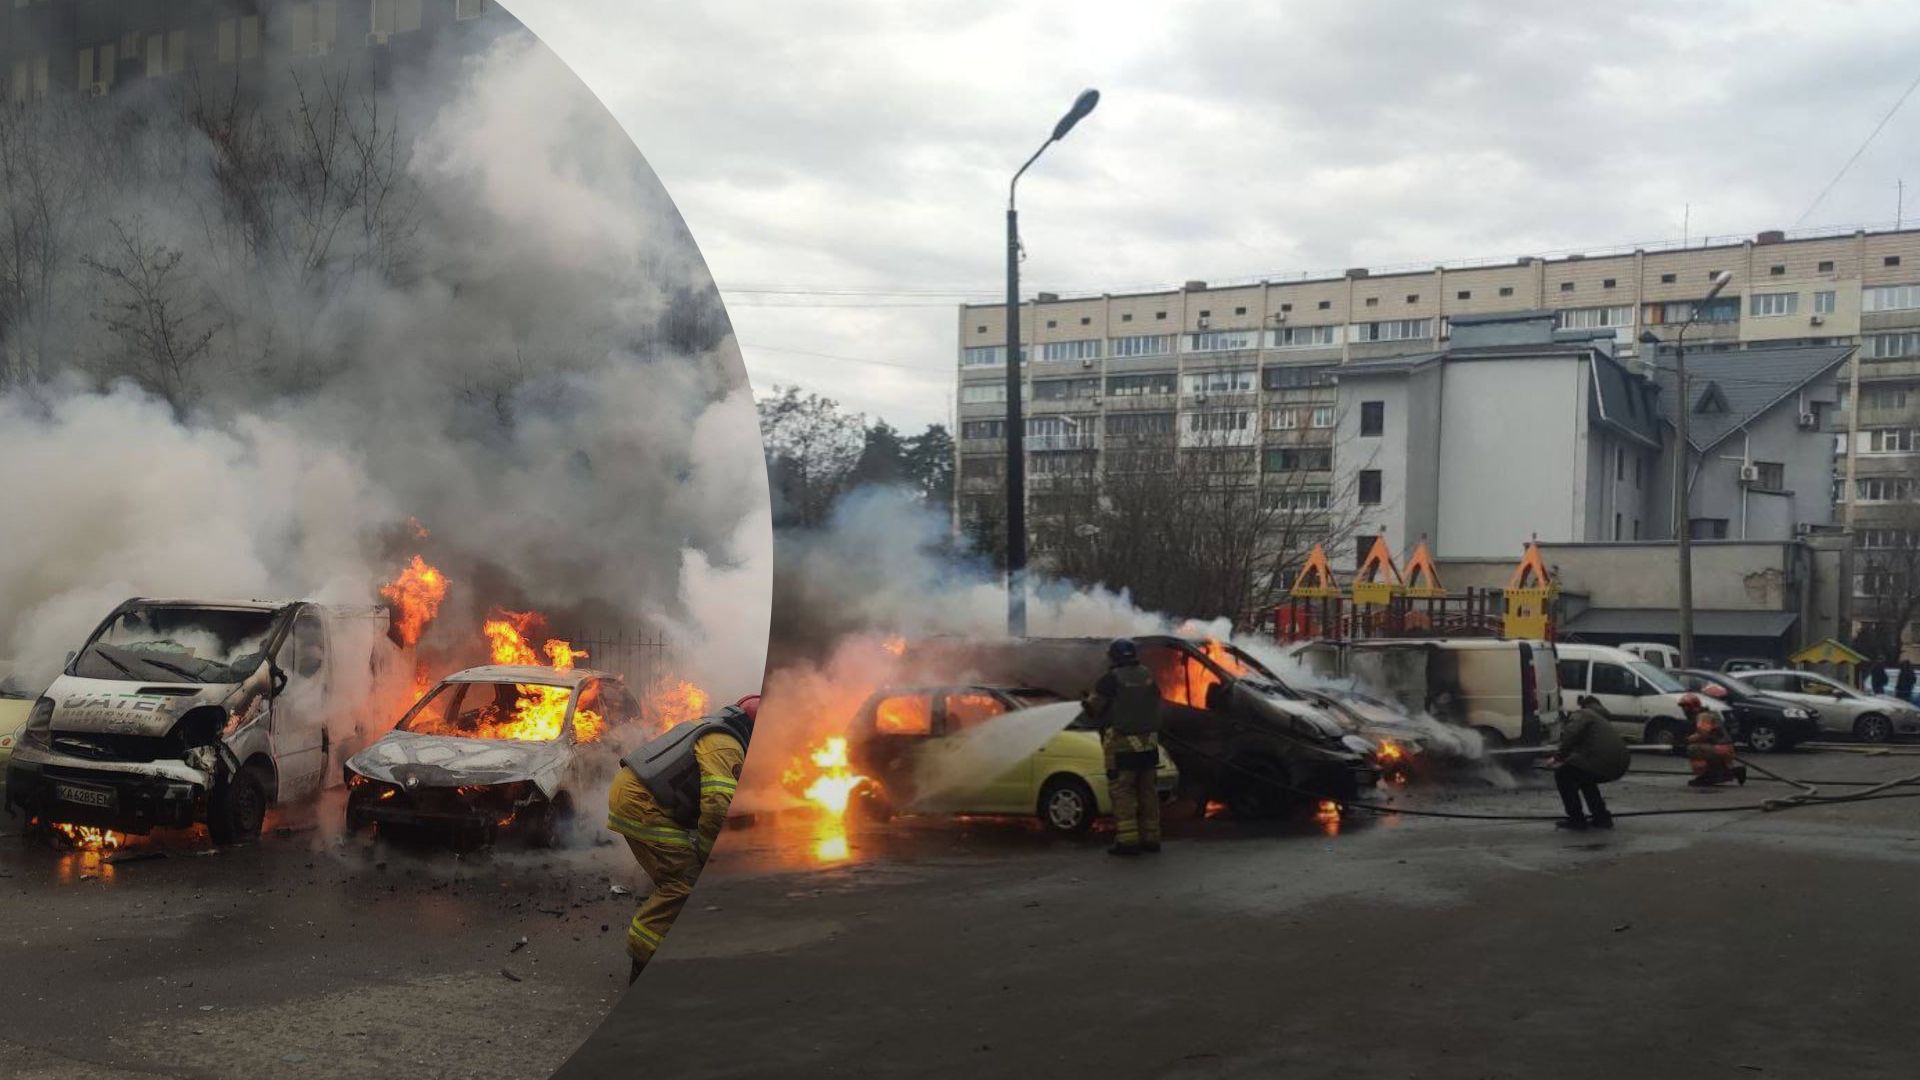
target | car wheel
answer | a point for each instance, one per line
(1261, 789)
(1668, 733)
(238, 809)
(554, 825)
(1764, 738)
(1067, 805)
(870, 803)
(1873, 727)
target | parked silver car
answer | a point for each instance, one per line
(1842, 709)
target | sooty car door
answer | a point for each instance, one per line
(963, 712)
(301, 743)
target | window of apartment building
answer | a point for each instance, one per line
(29, 79)
(1088, 349)
(1160, 382)
(1239, 311)
(1506, 290)
(1823, 302)
(1767, 305)
(1825, 267)
(1887, 539)
(1668, 279)
(1283, 419)
(1413, 298)
(1322, 417)
(1566, 286)
(1777, 270)
(983, 429)
(1636, 528)
(1140, 423)
(1891, 260)
(1723, 309)
(239, 39)
(1051, 323)
(1139, 461)
(1608, 283)
(1639, 471)
(1059, 464)
(1880, 489)
(1373, 301)
(1142, 345)
(1594, 318)
(1206, 313)
(1303, 337)
(395, 16)
(1373, 418)
(1300, 459)
(469, 9)
(1773, 475)
(1707, 528)
(1889, 441)
(1286, 307)
(1065, 389)
(983, 393)
(1393, 330)
(1223, 340)
(980, 329)
(983, 356)
(312, 26)
(1463, 294)
(1086, 320)
(1219, 420)
(1237, 462)
(1160, 315)
(1225, 381)
(1890, 298)
(1325, 305)
(1126, 316)
(156, 55)
(1883, 400)
(1369, 487)
(1298, 502)
(981, 468)
(1616, 526)
(1890, 346)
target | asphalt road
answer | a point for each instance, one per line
(1739, 944)
(305, 955)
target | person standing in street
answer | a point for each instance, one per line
(1877, 677)
(1591, 753)
(1124, 706)
(1903, 684)
(669, 801)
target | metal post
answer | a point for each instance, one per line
(1016, 438)
(1682, 530)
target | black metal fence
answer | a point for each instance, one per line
(640, 656)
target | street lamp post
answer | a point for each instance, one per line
(1682, 407)
(1016, 431)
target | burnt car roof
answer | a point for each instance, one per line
(529, 673)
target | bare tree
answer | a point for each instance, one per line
(811, 448)
(155, 312)
(1887, 565)
(51, 163)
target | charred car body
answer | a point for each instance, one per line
(1235, 731)
(491, 749)
(178, 712)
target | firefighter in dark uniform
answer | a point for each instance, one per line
(1125, 708)
(670, 801)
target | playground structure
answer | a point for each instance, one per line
(1382, 602)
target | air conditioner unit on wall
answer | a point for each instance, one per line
(1749, 474)
(1816, 320)
(1809, 421)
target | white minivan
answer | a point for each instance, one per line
(1505, 690)
(1665, 657)
(1643, 700)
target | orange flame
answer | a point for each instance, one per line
(88, 838)
(1328, 816)
(416, 593)
(895, 645)
(673, 702)
(831, 790)
(540, 712)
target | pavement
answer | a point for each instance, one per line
(305, 955)
(1737, 944)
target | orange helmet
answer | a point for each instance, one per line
(749, 705)
(1690, 703)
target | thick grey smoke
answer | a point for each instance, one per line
(266, 346)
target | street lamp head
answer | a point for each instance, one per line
(1720, 281)
(1648, 337)
(1082, 105)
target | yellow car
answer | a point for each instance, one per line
(931, 748)
(15, 703)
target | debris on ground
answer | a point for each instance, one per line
(518, 945)
(508, 972)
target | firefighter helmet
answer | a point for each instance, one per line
(749, 705)
(1690, 703)
(1122, 651)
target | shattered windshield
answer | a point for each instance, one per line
(514, 711)
(177, 643)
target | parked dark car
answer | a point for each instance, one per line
(1767, 724)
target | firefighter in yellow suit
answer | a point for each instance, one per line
(670, 801)
(1125, 707)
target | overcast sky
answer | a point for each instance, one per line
(843, 164)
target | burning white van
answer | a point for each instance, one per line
(178, 712)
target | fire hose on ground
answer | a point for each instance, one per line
(1809, 794)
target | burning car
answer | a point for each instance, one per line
(901, 735)
(491, 749)
(177, 712)
(1237, 733)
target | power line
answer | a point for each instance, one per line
(1863, 149)
(837, 356)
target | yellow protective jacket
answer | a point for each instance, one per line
(634, 812)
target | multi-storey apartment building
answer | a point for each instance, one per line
(1261, 366)
(100, 47)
